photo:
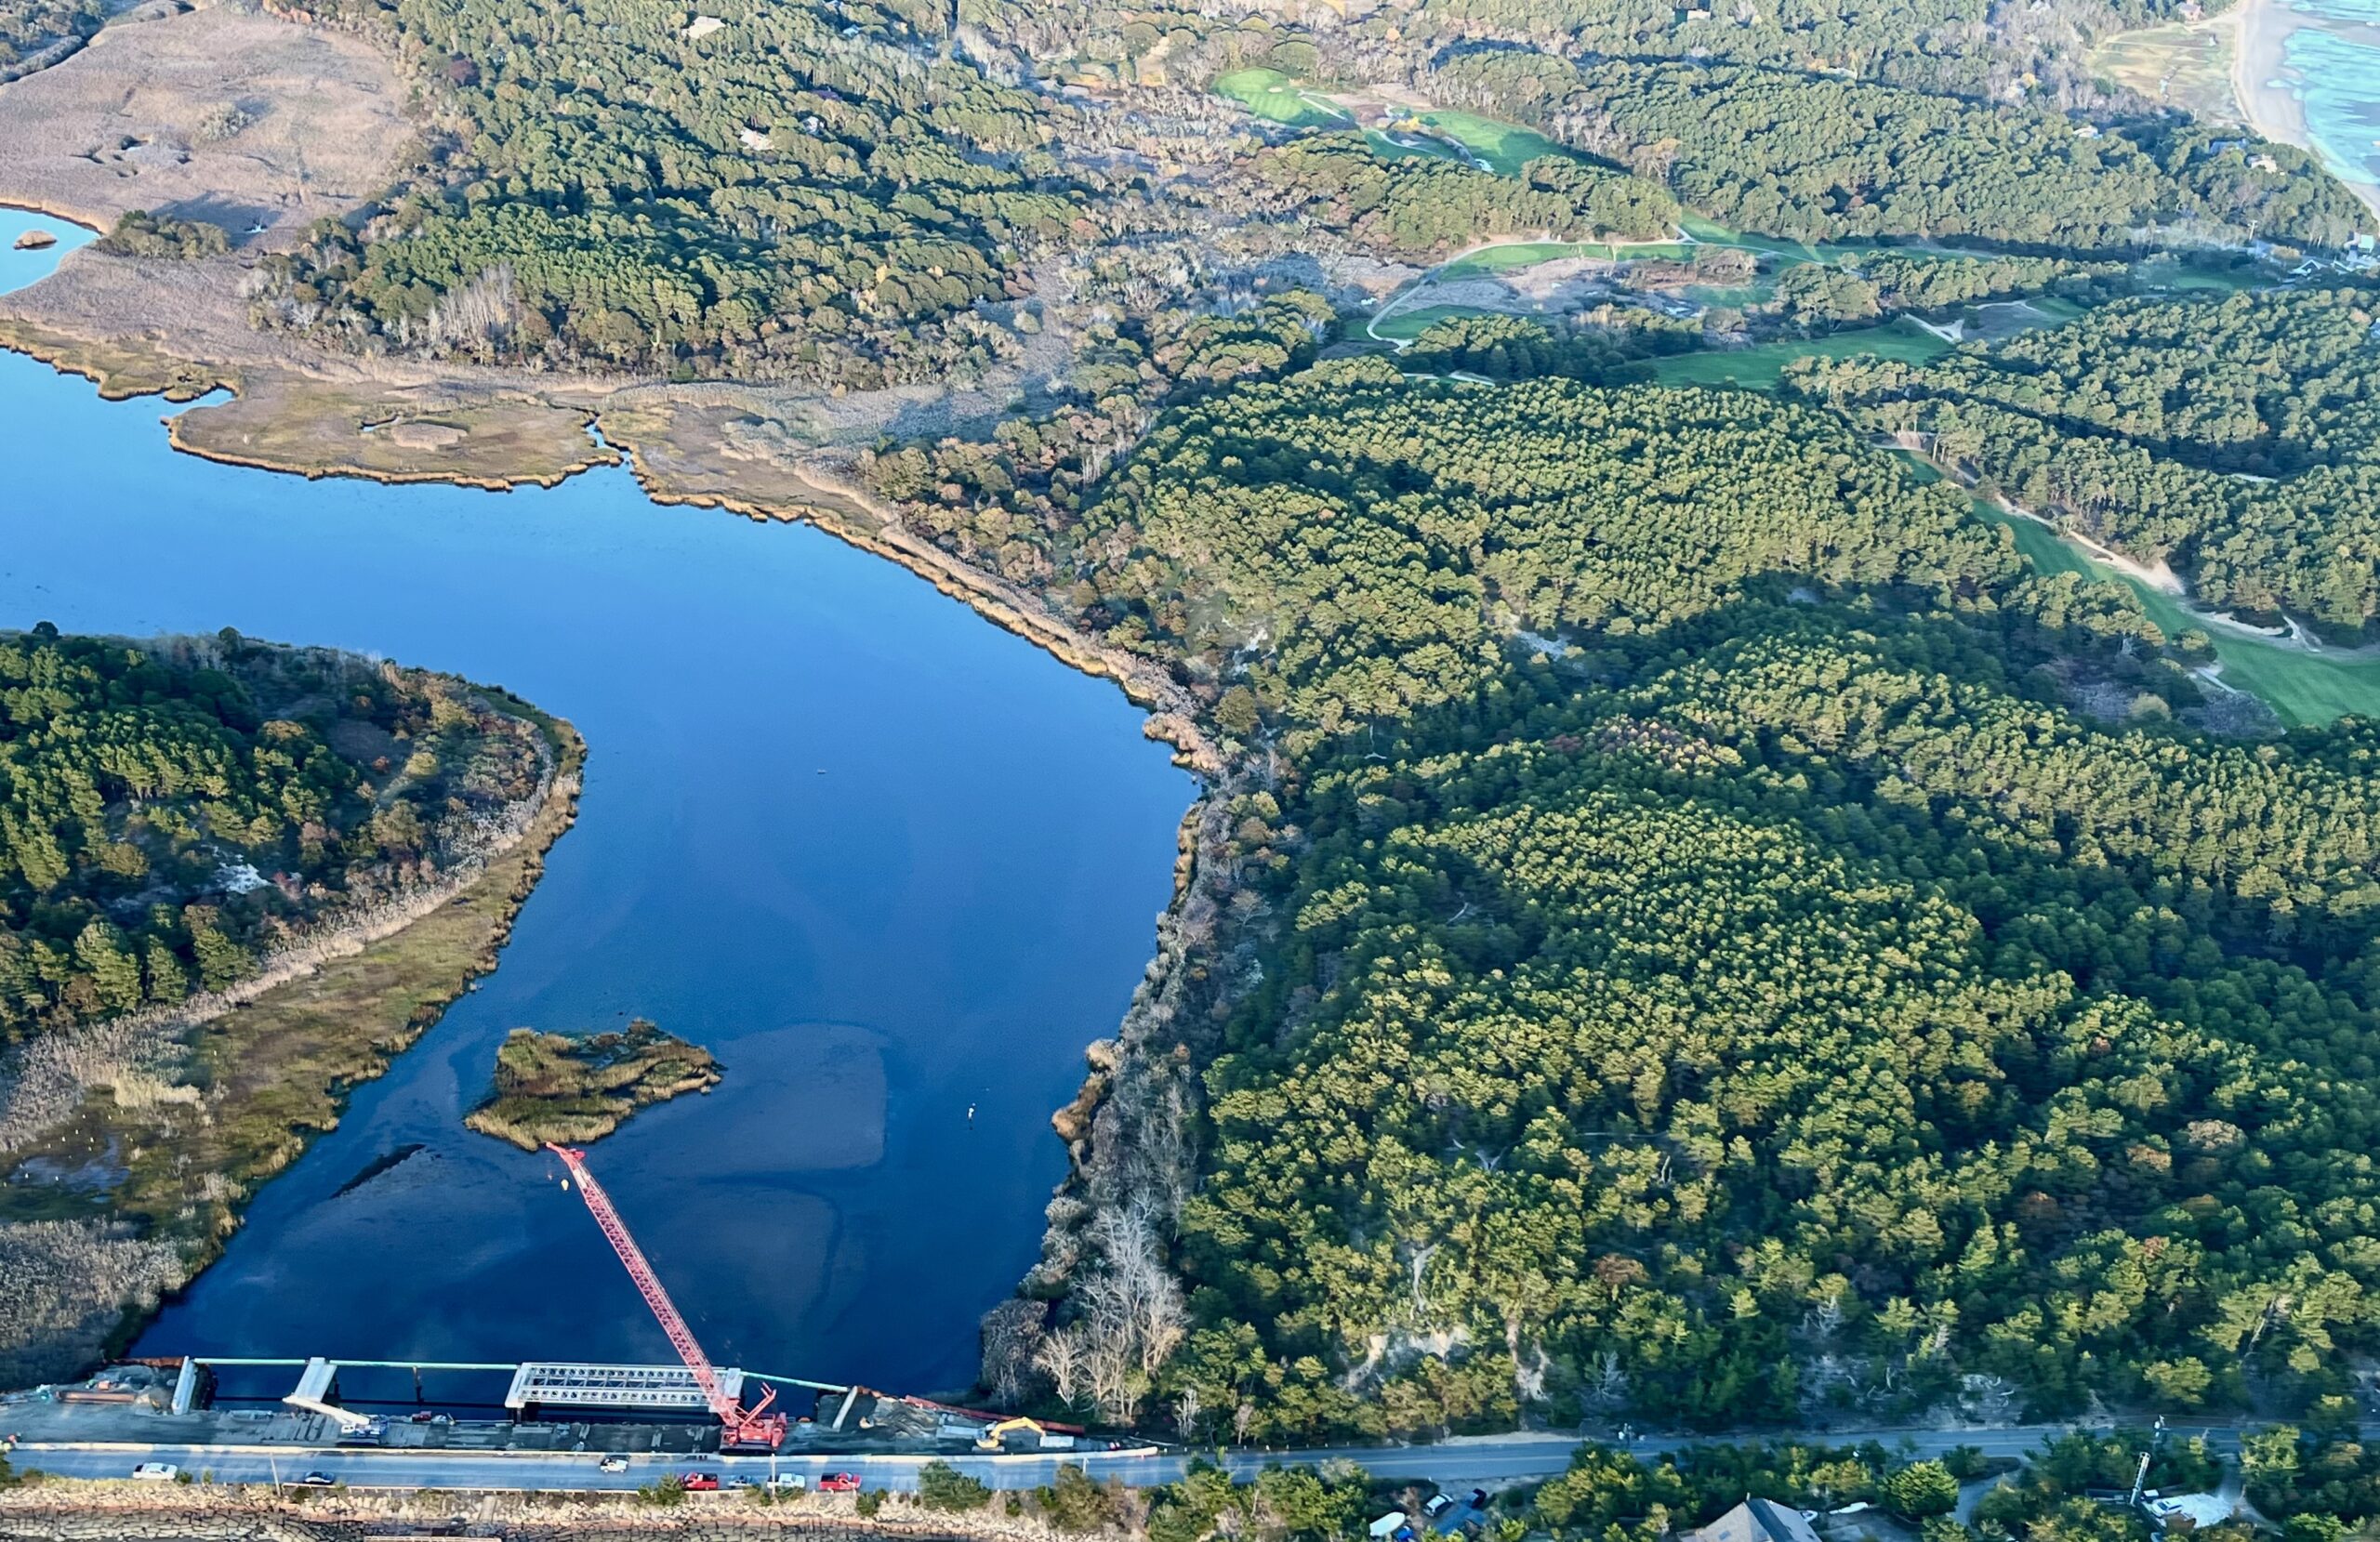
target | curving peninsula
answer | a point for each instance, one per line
(236, 879)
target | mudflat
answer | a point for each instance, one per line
(241, 120)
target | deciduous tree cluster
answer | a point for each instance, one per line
(142, 234)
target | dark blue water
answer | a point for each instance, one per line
(884, 859)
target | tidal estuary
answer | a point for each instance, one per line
(888, 862)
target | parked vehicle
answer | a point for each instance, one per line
(839, 1482)
(787, 1483)
(156, 1472)
(1439, 1504)
(700, 1483)
(613, 1464)
(317, 1479)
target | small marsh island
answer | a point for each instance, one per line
(567, 1088)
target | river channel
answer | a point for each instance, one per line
(895, 867)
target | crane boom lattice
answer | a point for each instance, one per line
(738, 1425)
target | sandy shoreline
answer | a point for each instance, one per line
(19, 206)
(2261, 85)
(2260, 58)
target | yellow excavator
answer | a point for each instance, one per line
(994, 1435)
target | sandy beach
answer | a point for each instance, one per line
(2257, 62)
(2261, 81)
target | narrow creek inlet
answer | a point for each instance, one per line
(884, 859)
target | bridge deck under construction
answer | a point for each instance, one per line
(318, 1402)
(554, 1384)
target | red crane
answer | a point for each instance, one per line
(738, 1425)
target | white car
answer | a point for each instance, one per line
(156, 1472)
(787, 1483)
(613, 1464)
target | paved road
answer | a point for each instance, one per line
(1489, 1460)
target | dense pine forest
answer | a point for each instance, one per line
(1387, 533)
(1814, 156)
(1691, 926)
(171, 814)
(1825, 293)
(1763, 1006)
(1712, 934)
(2235, 437)
(757, 187)
(1424, 207)
(1802, 1022)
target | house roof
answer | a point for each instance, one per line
(1758, 1520)
(2203, 1509)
